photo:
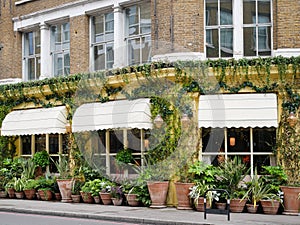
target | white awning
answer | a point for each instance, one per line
(35, 121)
(113, 115)
(238, 110)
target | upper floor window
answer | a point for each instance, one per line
(248, 35)
(60, 49)
(219, 28)
(103, 41)
(32, 50)
(138, 27)
(257, 27)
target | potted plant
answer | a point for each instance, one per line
(30, 188)
(131, 192)
(75, 193)
(9, 187)
(105, 192)
(41, 159)
(86, 192)
(18, 187)
(116, 195)
(29, 168)
(45, 188)
(204, 178)
(256, 191)
(229, 176)
(64, 179)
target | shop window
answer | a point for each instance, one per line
(26, 145)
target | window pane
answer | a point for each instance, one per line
(249, 41)
(99, 28)
(31, 69)
(37, 42)
(249, 11)
(116, 140)
(66, 64)
(53, 144)
(132, 14)
(264, 41)
(227, 42)
(26, 145)
(40, 143)
(30, 44)
(38, 67)
(109, 56)
(145, 18)
(134, 51)
(264, 139)
(241, 140)
(99, 57)
(226, 12)
(146, 49)
(58, 64)
(109, 22)
(212, 12)
(212, 49)
(66, 32)
(264, 11)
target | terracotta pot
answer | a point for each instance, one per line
(65, 187)
(45, 195)
(30, 194)
(76, 198)
(11, 192)
(182, 193)
(87, 197)
(237, 205)
(158, 191)
(290, 201)
(132, 199)
(19, 194)
(269, 206)
(117, 201)
(3, 194)
(251, 208)
(105, 198)
(199, 204)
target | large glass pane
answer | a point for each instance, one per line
(264, 41)
(53, 144)
(58, 64)
(40, 142)
(66, 63)
(26, 145)
(145, 18)
(31, 68)
(249, 41)
(211, 12)
(264, 11)
(109, 22)
(226, 12)
(238, 140)
(146, 49)
(99, 28)
(109, 56)
(116, 141)
(99, 57)
(66, 32)
(30, 43)
(249, 11)
(132, 14)
(134, 51)
(264, 139)
(212, 49)
(37, 42)
(227, 42)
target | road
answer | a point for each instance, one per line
(30, 219)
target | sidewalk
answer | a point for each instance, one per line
(140, 215)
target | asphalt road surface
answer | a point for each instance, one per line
(30, 219)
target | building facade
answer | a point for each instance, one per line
(45, 39)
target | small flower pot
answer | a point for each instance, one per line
(117, 201)
(106, 198)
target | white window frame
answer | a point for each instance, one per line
(35, 56)
(105, 43)
(61, 53)
(238, 26)
(140, 36)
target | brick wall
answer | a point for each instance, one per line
(287, 26)
(188, 25)
(11, 54)
(79, 52)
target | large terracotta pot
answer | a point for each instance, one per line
(87, 197)
(290, 201)
(182, 193)
(30, 194)
(11, 192)
(199, 204)
(45, 195)
(19, 194)
(269, 206)
(158, 191)
(237, 205)
(251, 208)
(65, 188)
(106, 198)
(132, 199)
